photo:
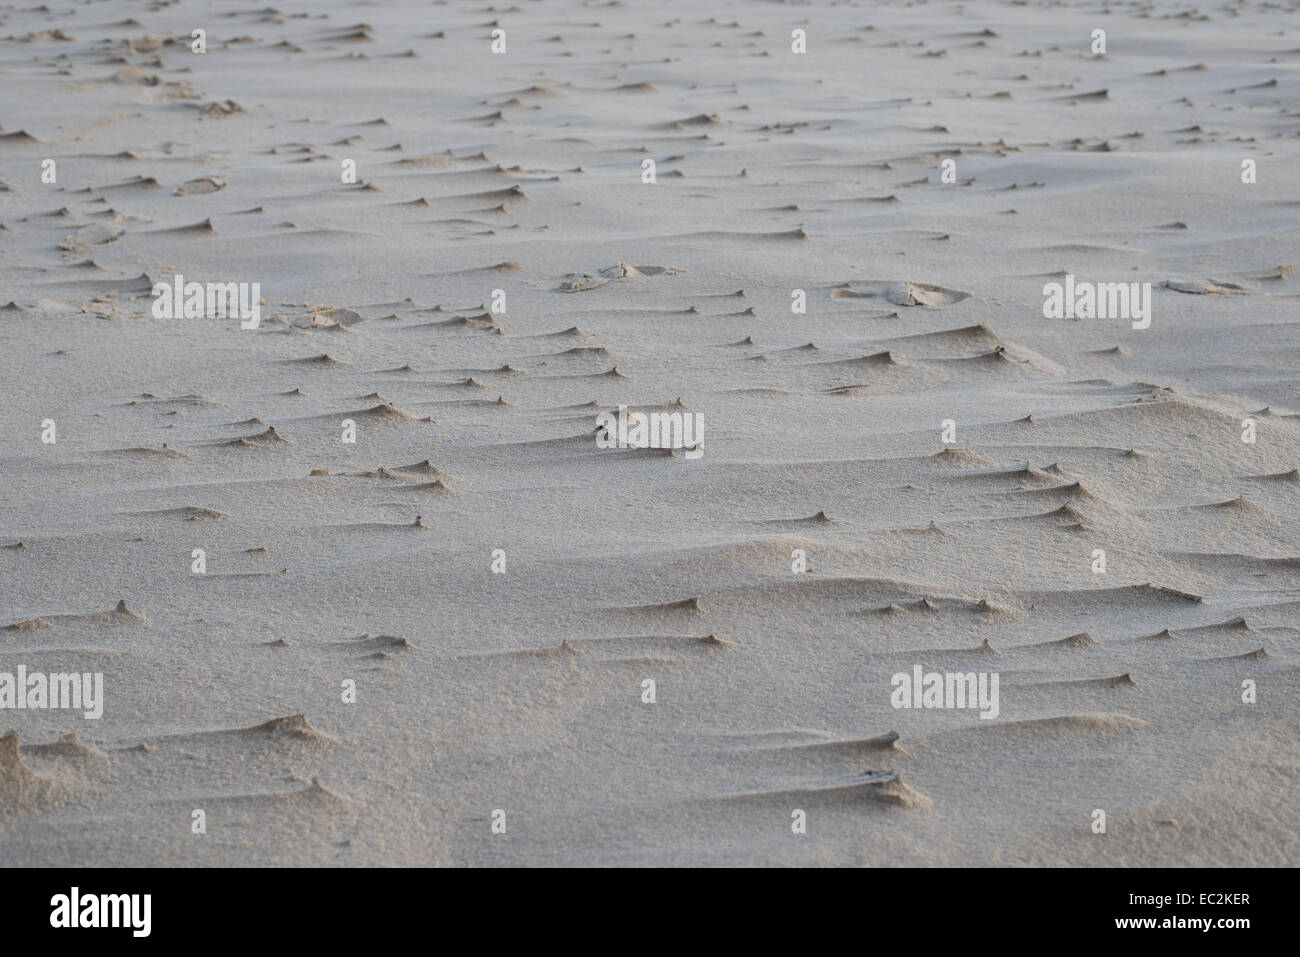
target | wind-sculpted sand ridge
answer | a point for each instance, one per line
(885, 789)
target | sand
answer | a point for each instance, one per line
(917, 470)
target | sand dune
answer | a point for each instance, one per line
(357, 574)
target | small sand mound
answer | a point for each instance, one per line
(686, 604)
(68, 746)
(21, 788)
(269, 437)
(922, 294)
(885, 788)
(953, 455)
(1292, 476)
(200, 186)
(203, 226)
(1093, 96)
(294, 727)
(316, 792)
(121, 613)
(1240, 503)
(134, 76)
(1118, 681)
(581, 284)
(437, 487)
(1067, 512)
(384, 410)
(1257, 655)
(388, 643)
(220, 109)
(1080, 640)
(846, 747)
(1102, 724)
(196, 513)
(1205, 287)
(421, 468)
(29, 624)
(698, 120)
(888, 787)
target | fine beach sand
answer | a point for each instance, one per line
(522, 692)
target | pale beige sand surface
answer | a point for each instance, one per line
(522, 692)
